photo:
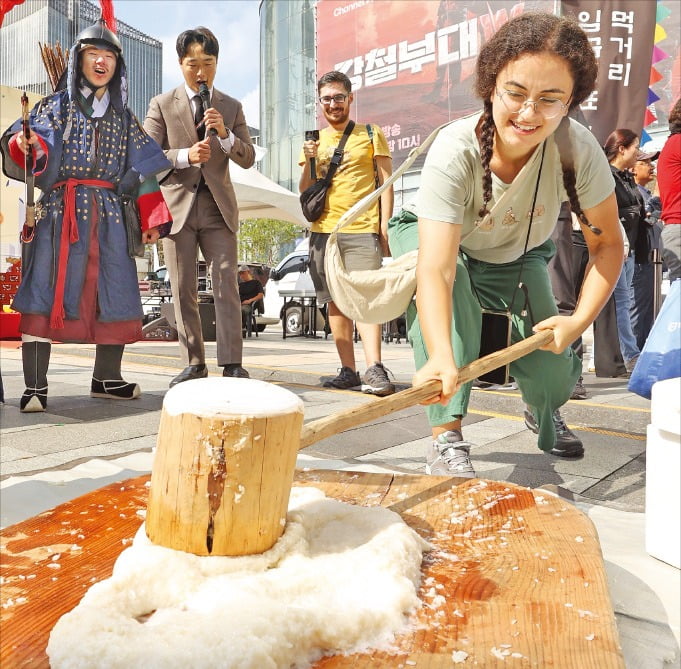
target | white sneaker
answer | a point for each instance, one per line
(449, 455)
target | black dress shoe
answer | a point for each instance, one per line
(189, 373)
(236, 371)
(568, 444)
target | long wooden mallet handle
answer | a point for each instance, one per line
(322, 428)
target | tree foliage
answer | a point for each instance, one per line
(261, 238)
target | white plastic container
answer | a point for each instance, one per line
(663, 473)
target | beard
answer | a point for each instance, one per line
(337, 118)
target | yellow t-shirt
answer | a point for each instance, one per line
(353, 179)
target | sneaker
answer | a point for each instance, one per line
(114, 389)
(448, 455)
(376, 381)
(568, 444)
(630, 364)
(347, 378)
(579, 391)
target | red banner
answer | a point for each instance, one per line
(6, 5)
(621, 33)
(411, 63)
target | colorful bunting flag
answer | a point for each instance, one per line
(655, 76)
(658, 54)
(661, 13)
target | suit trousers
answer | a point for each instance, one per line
(205, 229)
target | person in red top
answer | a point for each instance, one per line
(669, 184)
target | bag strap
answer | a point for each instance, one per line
(377, 183)
(338, 153)
(367, 201)
(370, 132)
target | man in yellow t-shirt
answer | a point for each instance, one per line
(365, 241)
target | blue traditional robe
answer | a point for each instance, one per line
(113, 150)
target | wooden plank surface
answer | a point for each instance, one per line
(515, 576)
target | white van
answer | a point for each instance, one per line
(292, 273)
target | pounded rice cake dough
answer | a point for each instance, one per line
(341, 579)
(225, 397)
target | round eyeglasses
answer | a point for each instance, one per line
(516, 102)
(340, 98)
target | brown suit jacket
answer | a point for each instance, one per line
(170, 121)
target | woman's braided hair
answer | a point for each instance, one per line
(533, 33)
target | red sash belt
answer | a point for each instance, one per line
(69, 235)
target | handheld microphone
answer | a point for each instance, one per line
(204, 94)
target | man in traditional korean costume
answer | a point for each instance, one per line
(79, 280)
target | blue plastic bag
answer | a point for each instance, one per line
(661, 356)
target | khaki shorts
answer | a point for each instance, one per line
(360, 251)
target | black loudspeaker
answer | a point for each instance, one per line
(206, 313)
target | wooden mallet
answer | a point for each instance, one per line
(226, 455)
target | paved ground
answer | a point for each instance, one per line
(83, 443)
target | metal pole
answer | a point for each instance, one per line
(657, 285)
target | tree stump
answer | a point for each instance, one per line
(224, 465)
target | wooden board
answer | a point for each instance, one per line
(520, 572)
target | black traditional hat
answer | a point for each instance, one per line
(99, 35)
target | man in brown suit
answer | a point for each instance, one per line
(200, 142)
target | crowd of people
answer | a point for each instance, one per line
(520, 211)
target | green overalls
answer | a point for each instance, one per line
(544, 378)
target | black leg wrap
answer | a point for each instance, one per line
(107, 382)
(35, 358)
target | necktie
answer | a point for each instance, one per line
(198, 117)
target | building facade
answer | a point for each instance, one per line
(52, 21)
(287, 85)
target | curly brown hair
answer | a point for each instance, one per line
(533, 33)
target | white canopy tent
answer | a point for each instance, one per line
(260, 197)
